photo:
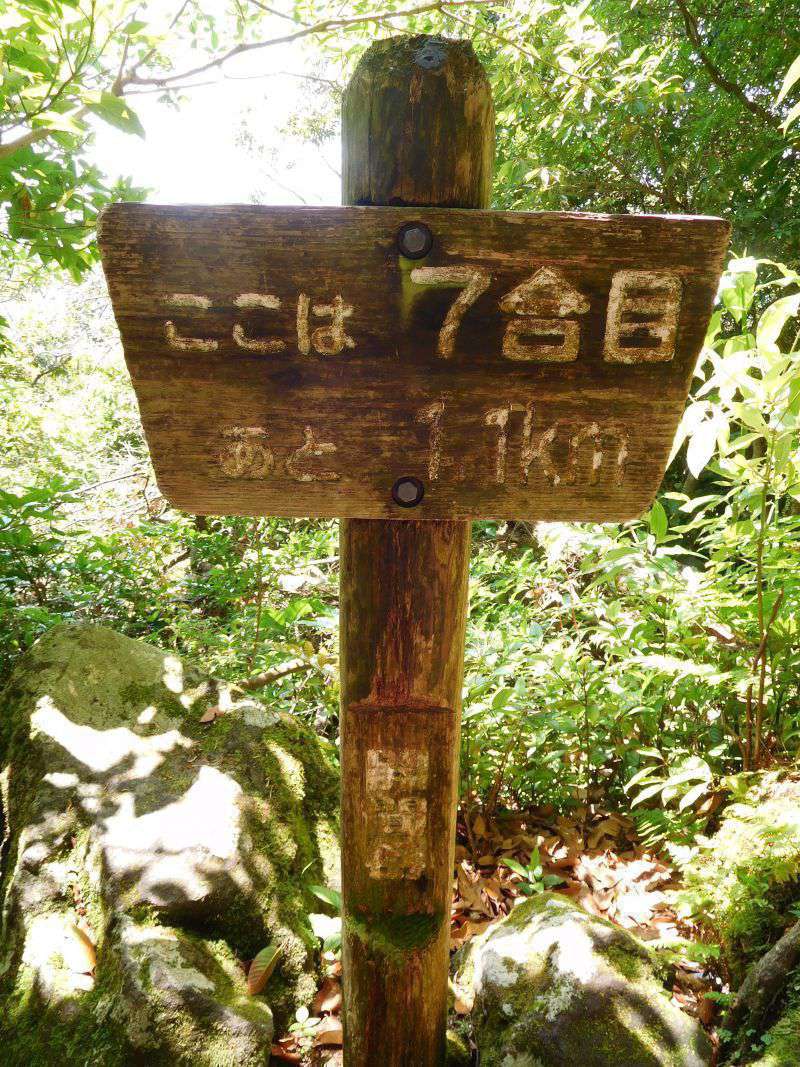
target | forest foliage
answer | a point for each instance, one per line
(652, 665)
(601, 105)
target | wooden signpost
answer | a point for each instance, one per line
(407, 365)
(292, 361)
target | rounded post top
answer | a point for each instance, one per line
(418, 125)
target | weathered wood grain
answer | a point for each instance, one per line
(403, 607)
(290, 361)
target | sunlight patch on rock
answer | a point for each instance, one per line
(100, 750)
(55, 955)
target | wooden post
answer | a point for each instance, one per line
(417, 129)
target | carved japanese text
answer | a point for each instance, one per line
(257, 344)
(543, 332)
(542, 317)
(397, 810)
(472, 282)
(297, 463)
(328, 340)
(246, 453)
(643, 309)
(175, 339)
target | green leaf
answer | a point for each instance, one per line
(261, 968)
(658, 521)
(771, 324)
(790, 118)
(64, 123)
(694, 794)
(501, 698)
(695, 770)
(792, 75)
(328, 896)
(647, 793)
(516, 867)
(116, 111)
(652, 752)
(641, 776)
(701, 447)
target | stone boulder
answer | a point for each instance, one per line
(556, 987)
(145, 853)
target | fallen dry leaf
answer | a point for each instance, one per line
(329, 1032)
(86, 955)
(324, 1056)
(460, 934)
(287, 1055)
(461, 1006)
(328, 999)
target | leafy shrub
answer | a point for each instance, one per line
(740, 885)
(661, 654)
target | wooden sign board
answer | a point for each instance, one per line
(291, 361)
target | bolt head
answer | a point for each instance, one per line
(407, 492)
(430, 56)
(414, 240)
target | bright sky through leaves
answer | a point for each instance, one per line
(190, 155)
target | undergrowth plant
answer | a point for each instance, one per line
(655, 657)
(741, 887)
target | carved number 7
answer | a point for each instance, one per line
(473, 282)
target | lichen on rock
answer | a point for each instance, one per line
(163, 846)
(554, 987)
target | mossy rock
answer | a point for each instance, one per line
(555, 987)
(125, 814)
(771, 1039)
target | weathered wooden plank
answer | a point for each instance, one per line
(292, 361)
(417, 126)
(404, 607)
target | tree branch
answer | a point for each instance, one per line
(258, 681)
(171, 81)
(717, 76)
(25, 140)
(377, 17)
(765, 982)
